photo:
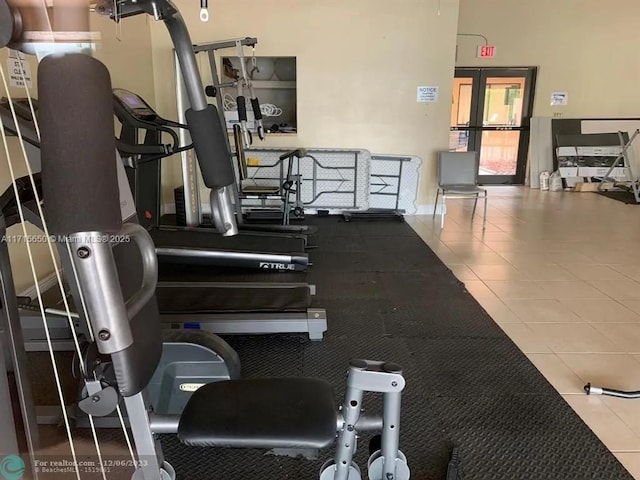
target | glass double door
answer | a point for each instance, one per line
(490, 114)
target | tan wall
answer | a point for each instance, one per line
(130, 64)
(588, 48)
(359, 63)
(127, 53)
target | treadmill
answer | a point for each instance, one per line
(221, 307)
(230, 305)
(175, 244)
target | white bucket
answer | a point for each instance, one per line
(544, 180)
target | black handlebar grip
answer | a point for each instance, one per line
(242, 108)
(255, 105)
(78, 147)
(210, 145)
(211, 91)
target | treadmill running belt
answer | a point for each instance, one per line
(238, 243)
(232, 299)
(174, 272)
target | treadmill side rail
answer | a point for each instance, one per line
(262, 261)
(313, 322)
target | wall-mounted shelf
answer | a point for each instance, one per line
(269, 134)
(273, 84)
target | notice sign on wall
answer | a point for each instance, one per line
(428, 94)
(559, 99)
(15, 63)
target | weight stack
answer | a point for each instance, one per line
(181, 209)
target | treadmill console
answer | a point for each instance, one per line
(133, 105)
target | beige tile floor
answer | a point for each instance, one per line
(560, 273)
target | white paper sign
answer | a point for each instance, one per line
(15, 62)
(127, 205)
(559, 99)
(428, 94)
(16, 54)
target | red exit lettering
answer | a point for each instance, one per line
(486, 51)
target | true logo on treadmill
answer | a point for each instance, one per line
(190, 387)
(277, 266)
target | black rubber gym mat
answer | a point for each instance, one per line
(388, 297)
(621, 196)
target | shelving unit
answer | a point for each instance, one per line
(276, 91)
(582, 157)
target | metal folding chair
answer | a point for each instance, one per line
(458, 178)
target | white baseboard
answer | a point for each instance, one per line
(44, 284)
(168, 209)
(428, 209)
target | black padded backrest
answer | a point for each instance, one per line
(135, 365)
(211, 146)
(79, 176)
(6, 23)
(458, 168)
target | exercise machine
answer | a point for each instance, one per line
(242, 82)
(285, 191)
(187, 196)
(143, 168)
(256, 250)
(209, 307)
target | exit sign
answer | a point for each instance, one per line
(486, 51)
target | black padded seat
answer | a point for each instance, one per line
(260, 189)
(261, 413)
